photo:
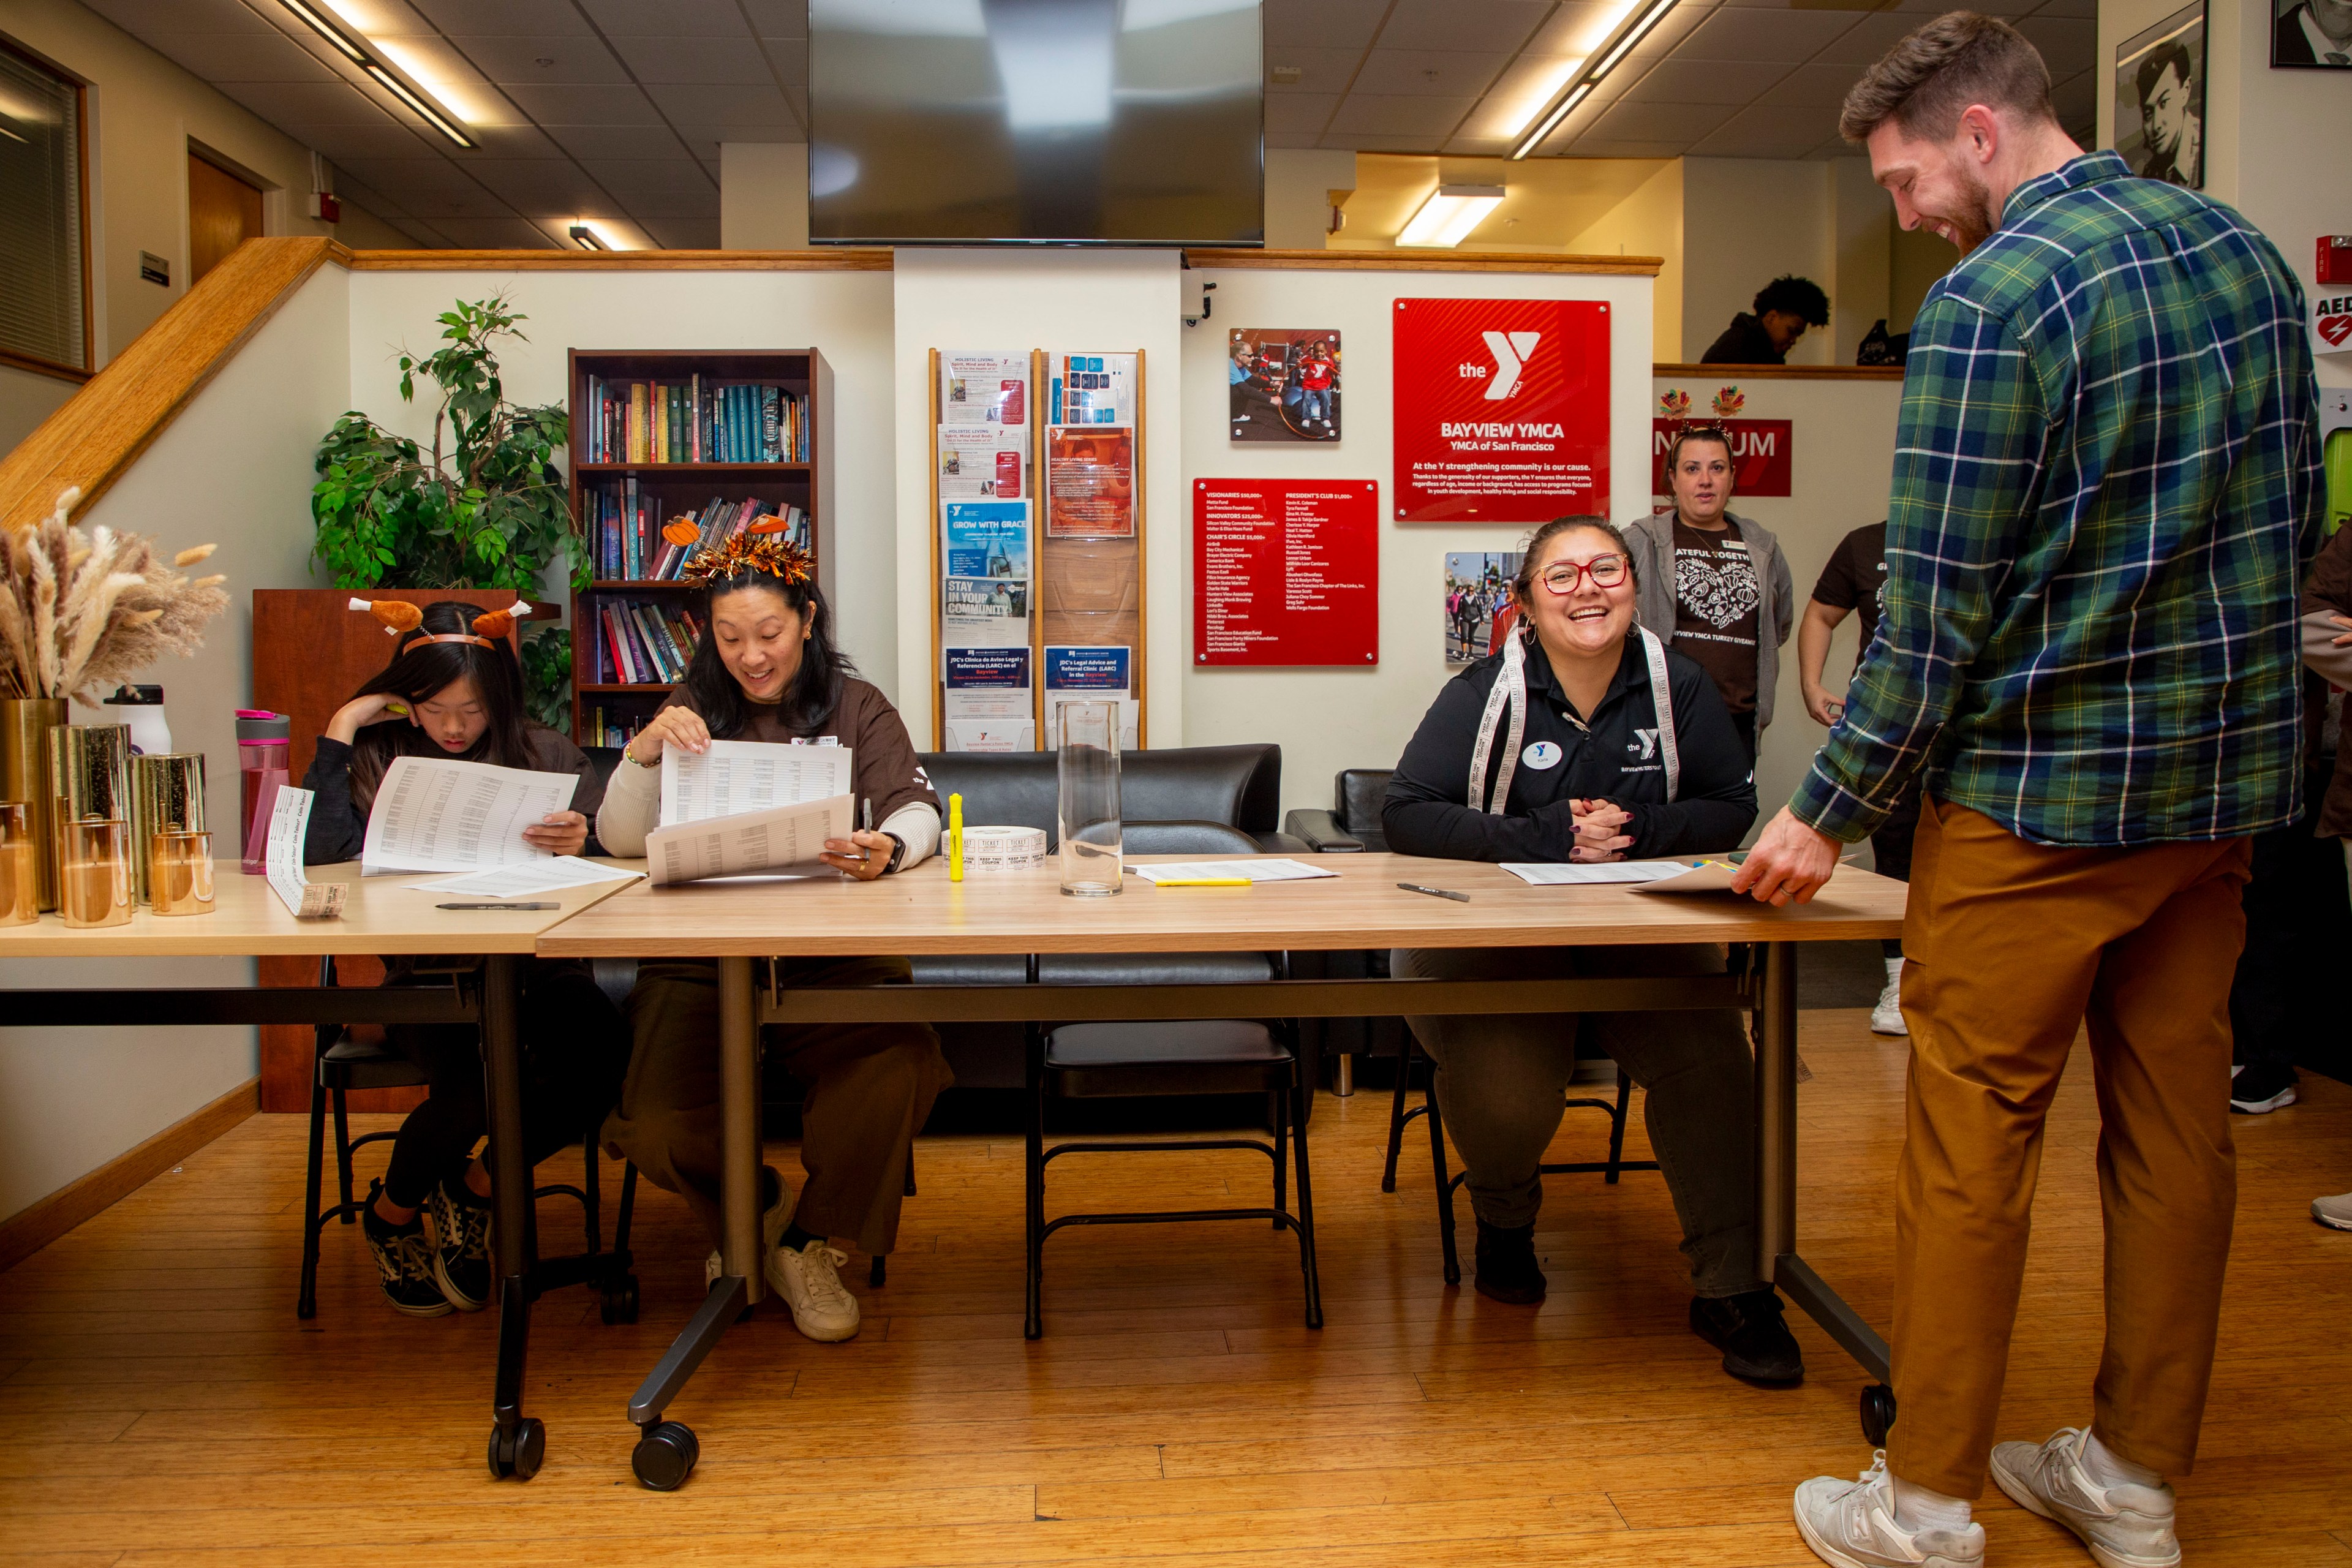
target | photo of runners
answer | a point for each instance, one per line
(1479, 610)
(1284, 384)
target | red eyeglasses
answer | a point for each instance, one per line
(1606, 571)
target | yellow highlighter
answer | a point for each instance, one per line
(955, 839)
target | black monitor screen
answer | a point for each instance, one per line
(1037, 121)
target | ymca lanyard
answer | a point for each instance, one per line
(1510, 693)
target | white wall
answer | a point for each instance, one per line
(1747, 221)
(1329, 718)
(1649, 223)
(27, 398)
(234, 469)
(1058, 300)
(1298, 186)
(845, 316)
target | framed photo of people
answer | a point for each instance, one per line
(2160, 99)
(2312, 33)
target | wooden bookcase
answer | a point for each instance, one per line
(668, 490)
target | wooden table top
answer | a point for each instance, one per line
(922, 913)
(382, 915)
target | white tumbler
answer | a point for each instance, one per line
(1088, 806)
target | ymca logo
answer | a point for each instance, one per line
(1648, 743)
(1511, 351)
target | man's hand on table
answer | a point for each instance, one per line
(1790, 863)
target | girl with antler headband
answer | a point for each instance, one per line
(455, 689)
(767, 669)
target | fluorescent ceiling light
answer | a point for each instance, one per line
(588, 237)
(1561, 73)
(1449, 215)
(1605, 59)
(318, 23)
(423, 110)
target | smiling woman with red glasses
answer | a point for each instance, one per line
(1585, 738)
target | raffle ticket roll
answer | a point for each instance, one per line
(1004, 848)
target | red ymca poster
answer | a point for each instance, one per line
(1287, 572)
(1501, 409)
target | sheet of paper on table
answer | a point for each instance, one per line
(538, 877)
(1707, 877)
(784, 838)
(1255, 870)
(290, 825)
(433, 813)
(736, 776)
(1548, 874)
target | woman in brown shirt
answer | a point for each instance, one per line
(767, 669)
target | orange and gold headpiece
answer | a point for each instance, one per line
(398, 616)
(760, 550)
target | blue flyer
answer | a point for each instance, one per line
(988, 539)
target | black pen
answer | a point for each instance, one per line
(1434, 892)
(497, 906)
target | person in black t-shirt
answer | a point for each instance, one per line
(1850, 584)
(1784, 308)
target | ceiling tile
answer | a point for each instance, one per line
(1319, 24)
(614, 141)
(337, 142)
(667, 18)
(1927, 10)
(2068, 44)
(1425, 120)
(702, 143)
(241, 56)
(699, 62)
(1667, 36)
(778, 18)
(586, 105)
(506, 18)
(1819, 86)
(1601, 147)
(308, 102)
(1319, 70)
(1769, 131)
(540, 184)
(1478, 147)
(1632, 120)
(518, 141)
(1870, 38)
(2068, 9)
(582, 61)
(685, 234)
(1705, 81)
(1733, 34)
(141, 18)
(1294, 140)
(699, 201)
(487, 233)
(2076, 101)
(368, 196)
(1428, 73)
(1491, 24)
(749, 107)
(1299, 113)
(1374, 141)
(631, 178)
(790, 60)
(416, 178)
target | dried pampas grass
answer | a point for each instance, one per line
(80, 612)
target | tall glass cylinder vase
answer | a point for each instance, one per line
(1088, 799)
(25, 726)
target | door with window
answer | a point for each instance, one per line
(224, 211)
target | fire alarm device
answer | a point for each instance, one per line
(2335, 258)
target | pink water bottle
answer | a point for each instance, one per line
(263, 742)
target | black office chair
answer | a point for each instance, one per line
(1138, 1060)
(344, 1063)
(1351, 826)
(1399, 1114)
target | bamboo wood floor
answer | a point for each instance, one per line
(165, 1406)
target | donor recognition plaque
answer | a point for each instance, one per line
(1501, 409)
(1287, 572)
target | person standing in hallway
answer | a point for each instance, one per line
(2106, 478)
(2328, 652)
(1713, 584)
(1784, 308)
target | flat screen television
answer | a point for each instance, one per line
(1129, 122)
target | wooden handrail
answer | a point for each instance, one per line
(100, 432)
(1428, 261)
(1777, 372)
(845, 258)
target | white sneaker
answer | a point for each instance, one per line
(2125, 1526)
(1886, 1018)
(773, 1221)
(2334, 1213)
(1851, 1525)
(810, 1282)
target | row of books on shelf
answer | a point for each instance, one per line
(693, 421)
(601, 727)
(627, 530)
(641, 643)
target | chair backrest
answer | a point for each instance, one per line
(603, 759)
(1357, 794)
(1185, 838)
(1239, 786)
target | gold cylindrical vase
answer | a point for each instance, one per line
(20, 860)
(25, 726)
(167, 796)
(94, 878)
(181, 866)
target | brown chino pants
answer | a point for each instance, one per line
(2012, 947)
(867, 1091)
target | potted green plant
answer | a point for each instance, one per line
(491, 511)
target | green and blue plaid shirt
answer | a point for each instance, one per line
(2106, 481)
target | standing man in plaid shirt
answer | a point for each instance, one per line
(2106, 479)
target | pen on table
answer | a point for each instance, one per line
(532, 906)
(1435, 892)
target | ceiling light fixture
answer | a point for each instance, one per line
(1645, 15)
(1449, 215)
(345, 45)
(588, 237)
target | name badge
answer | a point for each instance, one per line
(1542, 754)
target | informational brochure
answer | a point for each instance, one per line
(1097, 674)
(1548, 874)
(784, 840)
(1090, 389)
(1701, 877)
(549, 876)
(738, 776)
(983, 462)
(289, 826)
(1089, 482)
(433, 813)
(983, 388)
(990, 692)
(988, 539)
(982, 612)
(1211, 870)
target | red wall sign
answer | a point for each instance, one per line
(1501, 409)
(1759, 455)
(1287, 572)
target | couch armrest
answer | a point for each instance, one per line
(1322, 832)
(1283, 844)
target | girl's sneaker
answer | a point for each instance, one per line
(461, 1256)
(404, 1256)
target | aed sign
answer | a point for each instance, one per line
(1759, 455)
(2331, 323)
(1501, 409)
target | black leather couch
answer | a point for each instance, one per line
(1353, 823)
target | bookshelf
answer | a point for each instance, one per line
(701, 453)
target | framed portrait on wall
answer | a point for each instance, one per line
(2160, 98)
(2312, 33)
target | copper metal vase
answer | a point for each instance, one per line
(25, 726)
(167, 794)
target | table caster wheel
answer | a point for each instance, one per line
(620, 1299)
(519, 1451)
(664, 1456)
(1877, 1413)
